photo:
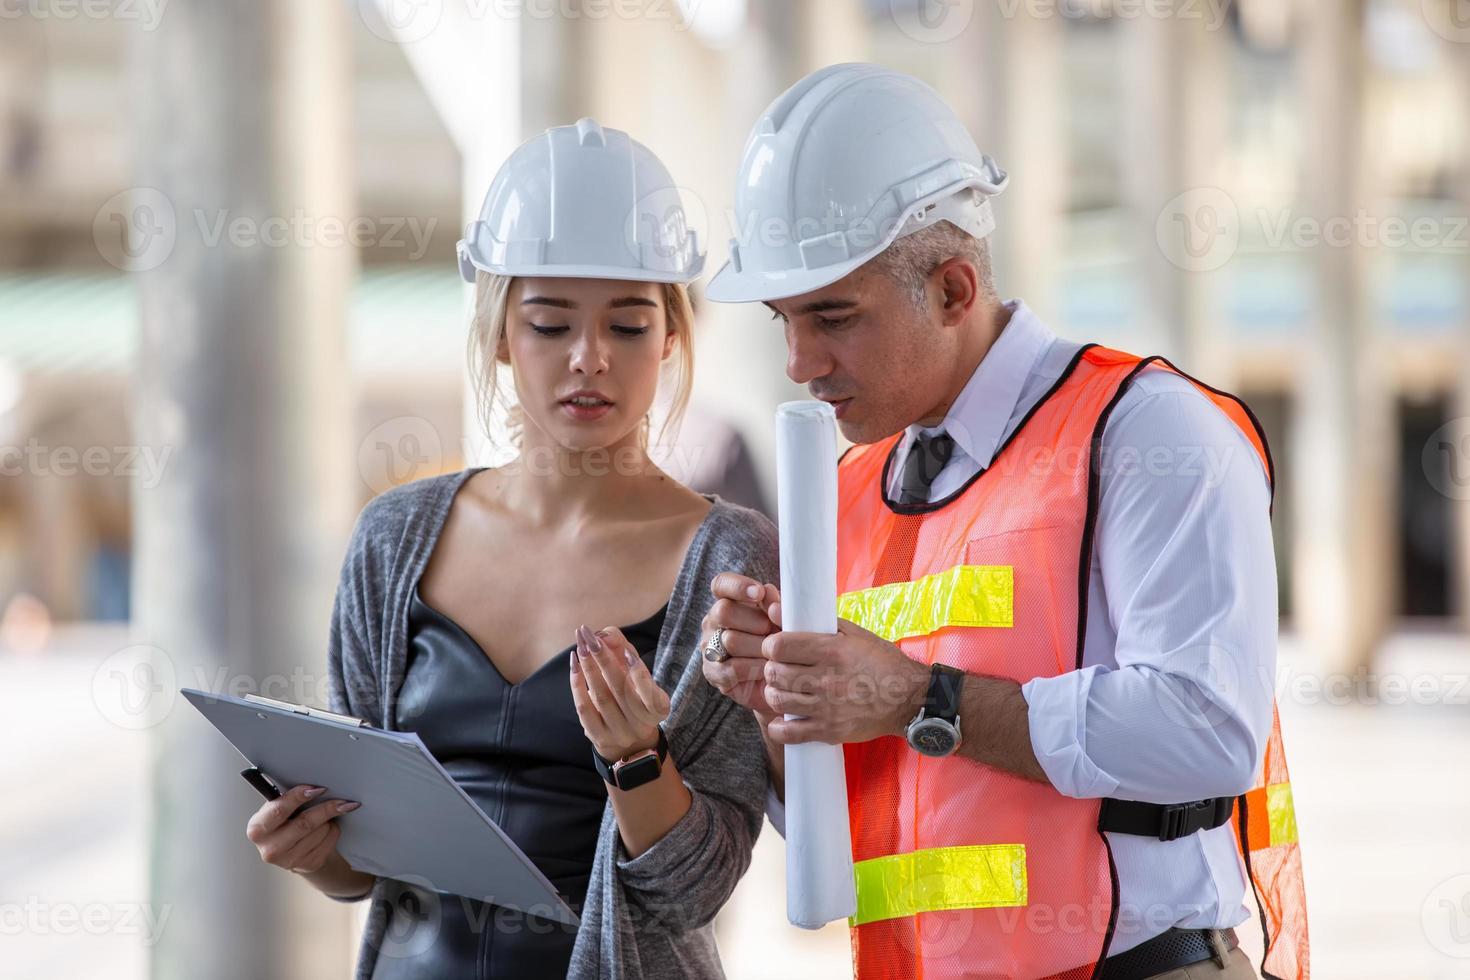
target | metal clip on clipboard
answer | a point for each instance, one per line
(310, 712)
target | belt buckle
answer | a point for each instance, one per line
(1182, 819)
(1219, 952)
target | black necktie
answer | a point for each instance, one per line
(926, 458)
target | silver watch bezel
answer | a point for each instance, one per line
(923, 724)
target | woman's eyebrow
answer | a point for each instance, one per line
(623, 301)
(564, 304)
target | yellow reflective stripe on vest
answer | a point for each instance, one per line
(1281, 812)
(966, 595)
(983, 876)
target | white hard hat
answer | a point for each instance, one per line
(587, 202)
(841, 164)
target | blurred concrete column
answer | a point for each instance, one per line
(244, 139)
(1012, 62)
(740, 354)
(1173, 62)
(467, 56)
(1345, 568)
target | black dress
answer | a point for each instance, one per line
(520, 753)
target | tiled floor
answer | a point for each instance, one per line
(1382, 794)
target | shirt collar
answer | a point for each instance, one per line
(977, 419)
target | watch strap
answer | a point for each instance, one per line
(604, 767)
(943, 698)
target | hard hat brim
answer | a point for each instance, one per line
(468, 266)
(730, 286)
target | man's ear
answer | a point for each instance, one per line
(958, 284)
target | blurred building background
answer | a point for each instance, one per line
(230, 314)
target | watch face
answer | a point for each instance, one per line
(632, 774)
(934, 737)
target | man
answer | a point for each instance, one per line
(1053, 671)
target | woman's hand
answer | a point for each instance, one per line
(302, 843)
(617, 700)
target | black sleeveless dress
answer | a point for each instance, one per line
(518, 750)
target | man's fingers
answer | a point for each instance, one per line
(802, 649)
(791, 702)
(742, 646)
(795, 731)
(741, 617)
(736, 670)
(732, 585)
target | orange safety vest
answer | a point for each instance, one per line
(963, 870)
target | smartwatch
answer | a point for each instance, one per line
(637, 769)
(935, 730)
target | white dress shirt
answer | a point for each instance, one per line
(1174, 699)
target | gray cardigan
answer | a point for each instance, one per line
(650, 916)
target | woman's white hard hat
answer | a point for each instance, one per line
(586, 202)
(844, 162)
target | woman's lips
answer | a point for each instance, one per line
(586, 413)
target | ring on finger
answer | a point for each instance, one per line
(714, 650)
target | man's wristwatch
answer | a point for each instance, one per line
(935, 730)
(637, 769)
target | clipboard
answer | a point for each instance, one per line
(416, 824)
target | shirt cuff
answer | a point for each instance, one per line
(349, 899)
(776, 811)
(1057, 717)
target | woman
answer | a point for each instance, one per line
(464, 604)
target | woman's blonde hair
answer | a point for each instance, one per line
(487, 329)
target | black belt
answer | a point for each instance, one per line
(1169, 821)
(1171, 950)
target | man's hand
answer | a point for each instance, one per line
(742, 608)
(850, 686)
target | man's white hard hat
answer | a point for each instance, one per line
(587, 202)
(842, 163)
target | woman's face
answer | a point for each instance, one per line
(585, 354)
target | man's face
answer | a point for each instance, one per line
(863, 346)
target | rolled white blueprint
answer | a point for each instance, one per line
(819, 882)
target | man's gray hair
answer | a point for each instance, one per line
(910, 259)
